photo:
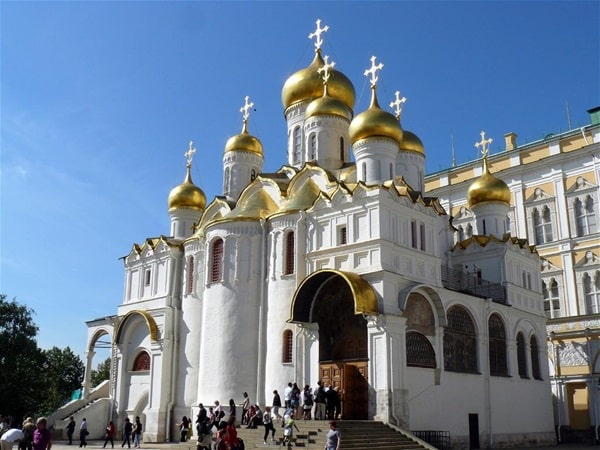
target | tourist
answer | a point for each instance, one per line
(320, 402)
(71, 429)
(307, 402)
(295, 399)
(267, 420)
(110, 434)
(287, 395)
(42, 438)
(201, 422)
(231, 434)
(232, 408)
(334, 438)
(28, 429)
(276, 404)
(245, 408)
(288, 429)
(83, 432)
(127, 430)
(137, 432)
(184, 426)
(9, 437)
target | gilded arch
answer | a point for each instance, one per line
(364, 297)
(146, 316)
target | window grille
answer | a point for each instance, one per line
(216, 264)
(288, 346)
(290, 253)
(142, 362)
(497, 346)
(190, 276)
(419, 351)
(460, 342)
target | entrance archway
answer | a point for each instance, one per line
(336, 301)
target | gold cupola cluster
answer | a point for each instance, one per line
(244, 141)
(187, 195)
(306, 84)
(487, 188)
(375, 122)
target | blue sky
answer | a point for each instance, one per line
(99, 101)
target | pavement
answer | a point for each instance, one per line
(191, 445)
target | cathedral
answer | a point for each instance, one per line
(337, 267)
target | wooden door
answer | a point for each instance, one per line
(355, 394)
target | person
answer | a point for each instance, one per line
(295, 399)
(232, 408)
(276, 404)
(334, 439)
(218, 409)
(110, 433)
(42, 438)
(184, 426)
(201, 422)
(220, 443)
(212, 419)
(245, 408)
(71, 429)
(288, 429)
(307, 402)
(268, 424)
(230, 437)
(9, 437)
(137, 432)
(127, 430)
(320, 401)
(83, 432)
(287, 395)
(28, 429)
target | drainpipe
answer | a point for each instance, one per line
(260, 375)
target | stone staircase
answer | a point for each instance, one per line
(356, 435)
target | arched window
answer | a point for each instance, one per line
(551, 298)
(189, 288)
(497, 349)
(141, 362)
(461, 234)
(419, 351)
(290, 253)
(469, 231)
(535, 358)
(216, 261)
(521, 356)
(288, 347)
(313, 147)
(591, 292)
(297, 145)
(542, 225)
(460, 342)
(585, 216)
(364, 172)
(226, 181)
(342, 152)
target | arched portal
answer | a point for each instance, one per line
(337, 301)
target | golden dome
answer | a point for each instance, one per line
(306, 84)
(411, 143)
(375, 122)
(488, 188)
(187, 195)
(244, 142)
(327, 105)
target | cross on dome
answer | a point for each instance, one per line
(317, 33)
(325, 69)
(397, 104)
(484, 144)
(245, 110)
(373, 71)
(190, 154)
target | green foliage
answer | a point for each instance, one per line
(101, 373)
(38, 381)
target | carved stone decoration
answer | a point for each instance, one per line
(573, 354)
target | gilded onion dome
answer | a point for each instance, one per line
(488, 188)
(327, 105)
(375, 122)
(306, 84)
(187, 195)
(244, 142)
(411, 142)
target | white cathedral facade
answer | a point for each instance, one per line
(338, 268)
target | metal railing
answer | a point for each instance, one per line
(472, 283)
(438, 439)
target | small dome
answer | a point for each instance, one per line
(375, 122)
(488, 188)
(411, 142)
(327, 105)
(306, 84)
(244, 142)
(187, 195)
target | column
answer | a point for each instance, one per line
(308, 347)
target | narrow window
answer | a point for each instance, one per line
(535, 358)
(313, 147)
(585, 216)
(542, 225)
(422, 236)
(469, 230)
(190, 276)
(497, 346)
(342, 236)
(391, 171)
(484, 229)
(290, 253)
(342, 153)
(413, 234)
(141, 362)
(591, 291)
(226, 181)
(216, 261)
(551, 298)
(252, 175)
(521, 356)
(297, 145)
(364, 172)
(461, 234)
(288, 347)
(147, 277)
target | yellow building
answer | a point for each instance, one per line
(554, 185)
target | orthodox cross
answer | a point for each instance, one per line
(325, 69)
(245, 110)
(317, 33)
(397, 104)
(373, 71)
(484, 144)
(190, 154)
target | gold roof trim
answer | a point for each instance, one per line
(483, 241)
(146, 316)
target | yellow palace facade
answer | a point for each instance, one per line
(554, 185)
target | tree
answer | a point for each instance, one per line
(101, 373)
(64, 373)
(21, 361)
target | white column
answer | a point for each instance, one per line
(562, 213)
(308, 348)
